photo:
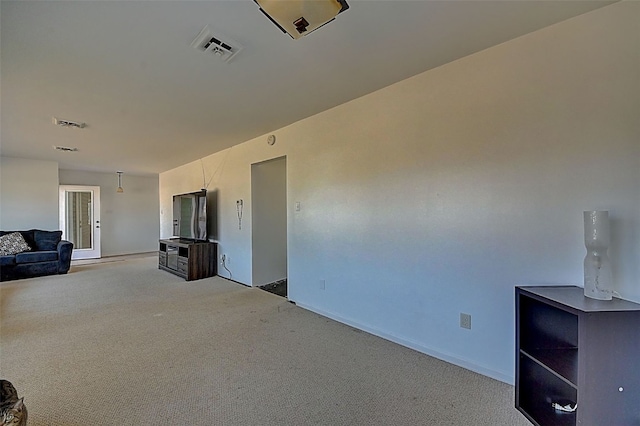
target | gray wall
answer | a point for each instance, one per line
(28, 194)
(129, 220)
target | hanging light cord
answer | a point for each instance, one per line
(220, 168)
(120, 189)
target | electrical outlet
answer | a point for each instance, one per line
(223, 258)
(465, 321)
(322, 285)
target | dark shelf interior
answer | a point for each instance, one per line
(562, 362)
(539, 388)
(545, 414)
(543, 326)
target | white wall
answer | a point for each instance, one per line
(227, 177)
(439, 194)
(129, 220)
(28, 194)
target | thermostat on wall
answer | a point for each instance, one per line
(271, 139)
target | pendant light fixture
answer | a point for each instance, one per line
(119, 190)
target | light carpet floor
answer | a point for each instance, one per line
(124, 343)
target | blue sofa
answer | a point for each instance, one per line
(47, 254)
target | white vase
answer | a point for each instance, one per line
(598, 280)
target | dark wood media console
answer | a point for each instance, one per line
(191, 260)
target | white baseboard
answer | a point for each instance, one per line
(460, 362)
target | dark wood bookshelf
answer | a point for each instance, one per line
(570, 348)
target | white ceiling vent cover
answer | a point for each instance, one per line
(222, 47)
(65, 148)
(68, 123)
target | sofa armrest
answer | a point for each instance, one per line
(64, 256)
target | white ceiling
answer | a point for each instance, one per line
(152, 102)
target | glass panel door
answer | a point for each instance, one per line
(80, 219)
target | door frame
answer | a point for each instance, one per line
(269, 264)
(95, 252)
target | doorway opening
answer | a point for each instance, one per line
(269, 224)
(278, 287)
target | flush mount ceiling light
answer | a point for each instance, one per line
(68, 123)
(300, 17)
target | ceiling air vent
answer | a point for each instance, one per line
(68, 123)
(65, 148)
(222, 47)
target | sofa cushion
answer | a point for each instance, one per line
(28, 237)
(37, 269)
(47, 240)
(36, 256)
(13, 243)
(7, 260)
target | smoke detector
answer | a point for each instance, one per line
(68, 123)
(221, 47)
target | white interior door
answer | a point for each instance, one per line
(80, 219)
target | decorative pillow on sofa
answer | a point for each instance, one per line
(13, 243)
(47, 240)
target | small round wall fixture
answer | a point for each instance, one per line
(271, 139)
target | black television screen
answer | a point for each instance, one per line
(190, 215)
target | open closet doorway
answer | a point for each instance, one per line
(80, 219)
(269, 225)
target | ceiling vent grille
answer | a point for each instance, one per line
(221, 47)
(65, 148)
(68, 123)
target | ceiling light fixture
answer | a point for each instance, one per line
(119, 190)
(300, 17)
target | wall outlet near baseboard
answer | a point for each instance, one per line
(465, 321)
(322, 285)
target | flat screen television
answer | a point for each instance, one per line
(190, 215)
